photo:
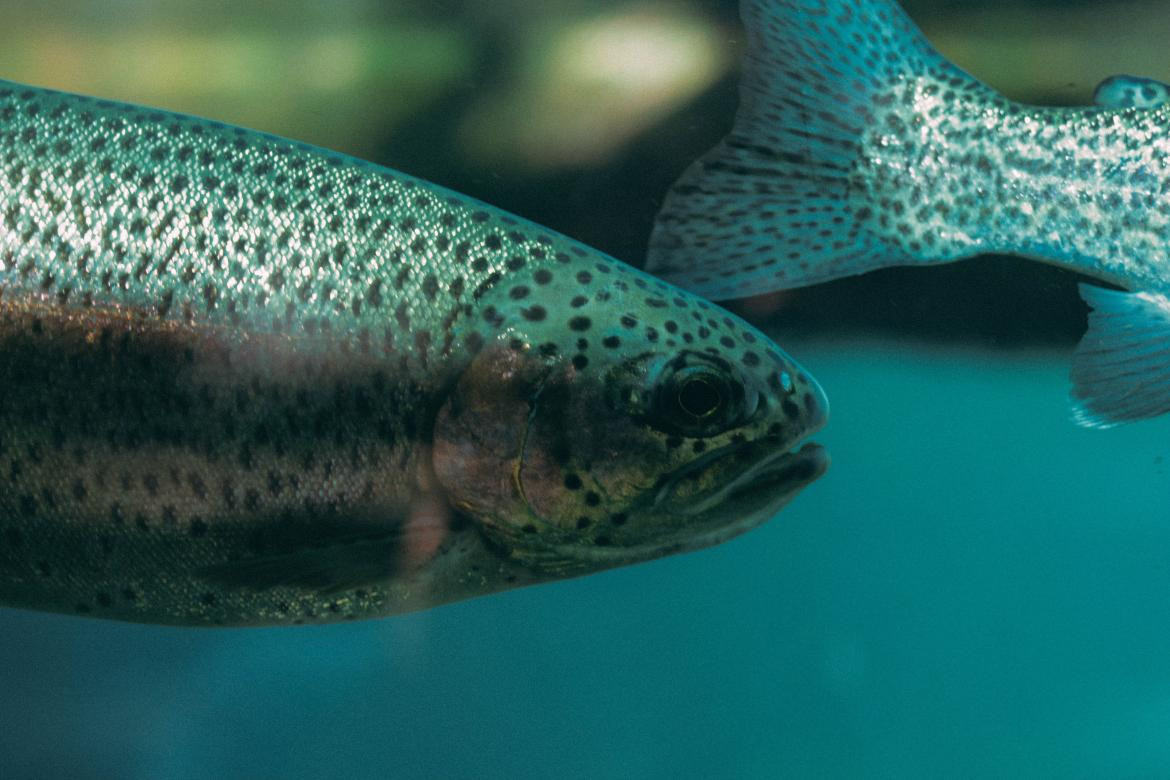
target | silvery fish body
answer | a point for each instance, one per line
(247, 381)
(858, 146)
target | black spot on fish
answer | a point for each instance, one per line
(430, 287)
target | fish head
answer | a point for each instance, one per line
(619, 443)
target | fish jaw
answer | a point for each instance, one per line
(736, 488)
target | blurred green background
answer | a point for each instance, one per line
(977, 588)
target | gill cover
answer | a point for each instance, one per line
(479, 437)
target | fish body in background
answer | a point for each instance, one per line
(857, 146)
(248, 381)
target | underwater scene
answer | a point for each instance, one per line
(585, 388)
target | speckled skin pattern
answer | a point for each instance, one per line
(248, 381)
(949, 169)
(857, 146)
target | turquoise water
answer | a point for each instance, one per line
(976, 588)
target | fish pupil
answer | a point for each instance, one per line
(699, 397)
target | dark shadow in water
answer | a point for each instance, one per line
(993, 301)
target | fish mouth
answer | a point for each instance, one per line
(766, 484)
(774, 479)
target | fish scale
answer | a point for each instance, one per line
(249, 381)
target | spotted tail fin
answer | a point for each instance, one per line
(769, 208)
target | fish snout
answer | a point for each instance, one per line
(799, 405)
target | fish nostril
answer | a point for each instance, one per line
(782, 382)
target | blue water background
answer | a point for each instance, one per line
(977, 588)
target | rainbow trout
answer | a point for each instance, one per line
(857, 146)
(248, 381)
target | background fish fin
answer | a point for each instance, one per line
(1131, 92)
(1121, 370)
(769, 207)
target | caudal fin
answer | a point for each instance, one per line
(769, 208)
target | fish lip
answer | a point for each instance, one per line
(795, 470)
(783, 473)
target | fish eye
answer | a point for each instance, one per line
(700, 393)
(698, 397)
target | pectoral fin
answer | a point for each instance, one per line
(334, 568)
(1131, 92)
(1121, 370)
(339, 555)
